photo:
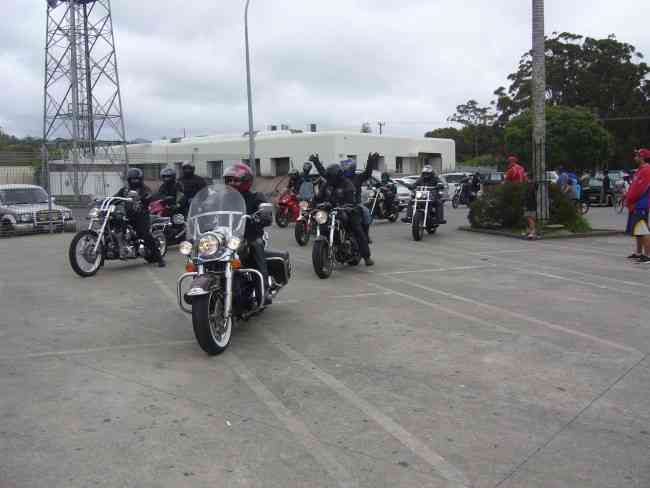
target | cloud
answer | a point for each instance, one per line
(336, 63)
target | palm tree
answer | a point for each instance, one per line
(539, 115)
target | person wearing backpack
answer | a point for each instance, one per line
(638, 202)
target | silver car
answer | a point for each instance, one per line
(24, 208)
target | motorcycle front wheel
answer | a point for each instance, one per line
(282, 217)
(322, 259)
(416, 226)
(82, 260)
(301, 233)
(161, 240)
(212, 331)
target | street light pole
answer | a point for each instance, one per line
(251, 134)
(539, 112)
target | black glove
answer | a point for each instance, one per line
(314, 158)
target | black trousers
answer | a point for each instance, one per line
(258, 258)
(142, 225)
(355, 227)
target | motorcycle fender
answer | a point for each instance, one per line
(201, 285)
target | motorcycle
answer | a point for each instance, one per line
(333, 242)
(224, 287)
(305, 227)
(424, 211)
(462, 197)
(288, 209)
(377, 198)
(110, 236)
(164, 219)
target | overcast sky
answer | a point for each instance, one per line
(337, 63)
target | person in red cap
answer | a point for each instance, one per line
(515, 173)
(637, 202)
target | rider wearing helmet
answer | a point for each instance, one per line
(339, 191)
(139, 214)
(294, 180)
(240, 177)
(170, 190)
(191, 182)
(349, 167)
(428, 178)
(387, 183)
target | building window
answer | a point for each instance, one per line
(151, 171)
(215, 169)
(257, 169)
(399, 165)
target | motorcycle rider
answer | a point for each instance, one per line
(338, 191)
(191, 183)
(389, 185)
(295, 181)
(349, 167)
(170, 190)
(138, 214)
(427, 178)
(240, 177)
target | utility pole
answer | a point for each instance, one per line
(539, 112)
(251, 134)
(381, 125)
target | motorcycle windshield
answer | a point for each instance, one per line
(306, 191)
(217, 208)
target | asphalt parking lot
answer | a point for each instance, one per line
(461, 360)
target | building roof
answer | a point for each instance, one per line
(18, 186)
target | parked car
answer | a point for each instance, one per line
(24, 208)
(403, 193)
(591, 192)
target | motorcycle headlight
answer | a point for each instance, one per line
(209, 244)
(321, 217)
(94, 213)
(234, 243)
(26, 217)
(420, 194)
(185, 248)
(304, 205)
(178, 219)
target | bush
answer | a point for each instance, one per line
(504, 207)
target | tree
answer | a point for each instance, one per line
(575, 138)
(473, 117)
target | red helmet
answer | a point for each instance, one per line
(512, 159)
(239, 176)
(644, 153)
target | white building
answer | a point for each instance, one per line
(278, 151)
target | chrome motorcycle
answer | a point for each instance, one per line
(333, 241)
(223, 285)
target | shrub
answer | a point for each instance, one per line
(504, 206)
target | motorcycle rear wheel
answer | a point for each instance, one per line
(74, 254)
(212, 331)
(282, 217)
(416, 226)
(322, 259)
(301, 233)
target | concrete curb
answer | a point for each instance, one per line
(512, 235)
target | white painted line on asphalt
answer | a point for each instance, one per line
(440, 270)
(521, 316)
(91, 350)
(419, 448)
(313, 446)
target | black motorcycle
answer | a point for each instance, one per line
(224, 286)
(379, 197)
(425, 211)
(110, 236)
(464, 195)
(168, 219)
(333, 241)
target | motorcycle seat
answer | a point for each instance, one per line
(270, 253)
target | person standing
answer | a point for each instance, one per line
(515, 173)
(607, 185)
(637, 204)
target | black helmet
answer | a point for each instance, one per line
(188, 168)
(427, 170)
(134, 177)
(293, 172)
(333, 173)
(306, 168)
(168, 174)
